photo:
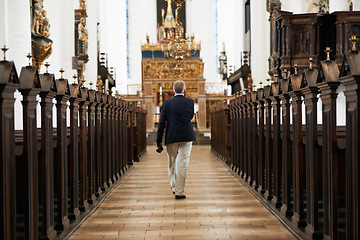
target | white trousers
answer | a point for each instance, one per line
(179, 157)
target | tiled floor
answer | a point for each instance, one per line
(217, 205)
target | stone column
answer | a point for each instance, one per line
(338, 5)
(260, 38)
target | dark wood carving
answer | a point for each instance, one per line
(330, 161)
(74, 100)
(90, 148)
(275, 99)
(268, 146)
(261, 160)
(83, 149)
(98, 145)
(61, 159)
(48, 175)
(298, 152)
(9, 82)
(313, 159)
(104, 139)
(46, 162)
(352, 84)
(27, 170)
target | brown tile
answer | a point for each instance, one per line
(217, 206)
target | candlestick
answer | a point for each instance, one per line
(29, 57)
(310, 63)
(74, 76)
(327, 51)
(4, 49)
(62, 72)
(47, 67)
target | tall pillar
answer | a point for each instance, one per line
(260, 38)
(338, 5)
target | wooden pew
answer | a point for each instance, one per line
(9, 82)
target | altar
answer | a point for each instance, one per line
(174, 56)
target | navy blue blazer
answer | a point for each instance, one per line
(175, 117)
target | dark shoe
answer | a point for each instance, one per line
(180, 196)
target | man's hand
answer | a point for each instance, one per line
(159, 147)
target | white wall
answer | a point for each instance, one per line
(142, 20)
(61, 17)
(303, 6)
(113, 13)
(3, 23)
(231, 30)
(260, 41)
(356, 5)
(338, 5)
(201, 20)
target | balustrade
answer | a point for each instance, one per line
(50, 177)
(305, 171)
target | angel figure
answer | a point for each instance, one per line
(37, 19)
(82, 4)
(83, 36)
(46, 24)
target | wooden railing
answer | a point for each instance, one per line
(51, 178)
(307, 172)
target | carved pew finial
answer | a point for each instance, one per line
(62, 73)
(295, 69)
(30, 59)
(47, 65)
(4, 49)
(285, 74)
(353, 40)
(327, 51)
(74, 76)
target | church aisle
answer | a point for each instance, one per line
(217, 205)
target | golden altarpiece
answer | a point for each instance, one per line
(171, 58)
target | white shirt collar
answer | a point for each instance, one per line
(177, 94)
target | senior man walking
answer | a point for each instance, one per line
(175, 117)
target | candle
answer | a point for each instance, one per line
(160, 90)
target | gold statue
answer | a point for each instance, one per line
(83, 36)
(82, 4)
(99, 83)
(163, 16)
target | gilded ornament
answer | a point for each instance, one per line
(4, 49)
(41, 53)
(83, 36)
(83, 4)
